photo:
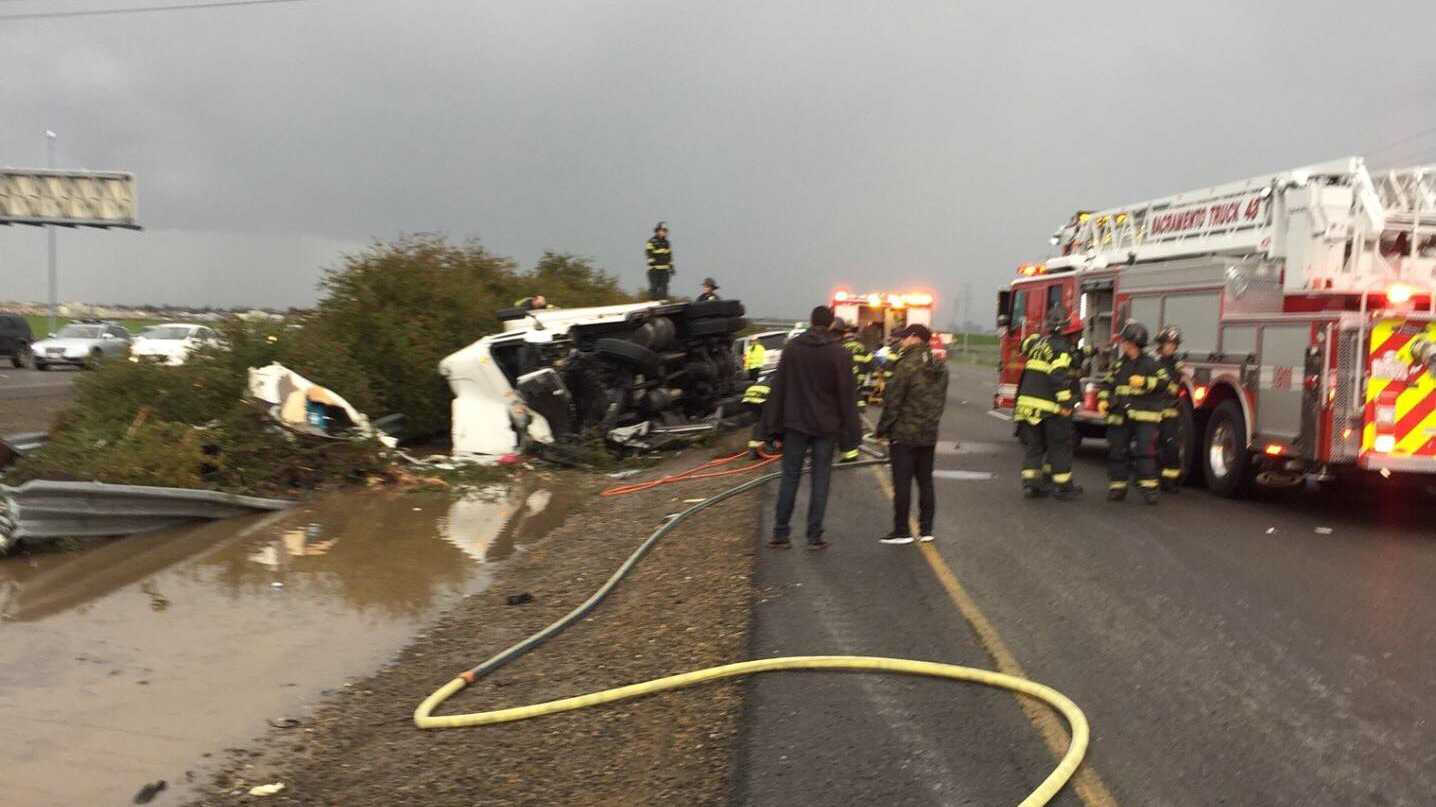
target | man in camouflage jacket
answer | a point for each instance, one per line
(912, 409)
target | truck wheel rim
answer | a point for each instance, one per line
(1222, 453)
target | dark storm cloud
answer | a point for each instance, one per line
(794, 146)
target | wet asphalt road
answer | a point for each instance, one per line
(1225, 652)
(29, 399)
(17, 385)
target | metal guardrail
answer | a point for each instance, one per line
(43, 510)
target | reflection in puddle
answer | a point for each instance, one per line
(181, 641)
(489, 524)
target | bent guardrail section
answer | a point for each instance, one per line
(42, 510)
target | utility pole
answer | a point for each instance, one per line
(50, 230)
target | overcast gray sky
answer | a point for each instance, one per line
(793, 146)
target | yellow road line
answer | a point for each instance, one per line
(1086, 783)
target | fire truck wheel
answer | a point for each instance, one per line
(1224, 452)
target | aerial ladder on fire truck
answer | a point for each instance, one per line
(1307, 299)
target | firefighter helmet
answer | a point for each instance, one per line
(1134, 332)
(1171, 333)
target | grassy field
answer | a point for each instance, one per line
(40, 325)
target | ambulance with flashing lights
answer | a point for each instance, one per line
(879, 315)
(1305, 299)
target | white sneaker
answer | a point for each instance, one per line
(927, 539)
(895, 539)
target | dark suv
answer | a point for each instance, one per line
(15, 339)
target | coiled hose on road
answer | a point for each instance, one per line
(425, 718)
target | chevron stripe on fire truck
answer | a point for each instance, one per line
(1401, 392)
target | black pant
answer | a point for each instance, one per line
(796, 446)
(1047, 450)
(658, 283)
(1169, 449)
(909, 463)
(1132, 445)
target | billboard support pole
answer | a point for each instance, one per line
(50, 230)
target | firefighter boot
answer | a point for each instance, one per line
(1067, 492)
(1150, 496)
(1117, 492)
(1171, 480)
(1034, 490)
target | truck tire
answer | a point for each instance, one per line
(1225, 457)
(715, 308)
(629, 354)
(716, 326)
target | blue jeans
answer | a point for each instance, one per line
(796, 446)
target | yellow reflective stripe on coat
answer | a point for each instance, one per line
(1144, 417)
(1171, 473)
(1064, 395)
(1029, 402)
(1038, 365)
(1170, 413)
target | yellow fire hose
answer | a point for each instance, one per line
(424, 716)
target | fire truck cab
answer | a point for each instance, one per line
(1305, 300)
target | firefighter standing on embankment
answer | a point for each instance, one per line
(1132, 398)
(660, 262)
(1046, 394)
(1169, 448)
(862, 362)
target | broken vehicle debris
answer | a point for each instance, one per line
(300, 405)
(631, 373)
(42, 510)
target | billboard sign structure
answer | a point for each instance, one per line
(104, 199)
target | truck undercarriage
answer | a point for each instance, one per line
(635, 375)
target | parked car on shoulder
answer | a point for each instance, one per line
(83, 343)
(15, 339)
(171, 343)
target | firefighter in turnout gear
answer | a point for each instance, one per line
(660, 262)
(754, 398)
(862, 363)
(1046, 393)
(1132, 397)
(754, 358)
(1169, 447)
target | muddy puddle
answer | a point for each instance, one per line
(142, 658)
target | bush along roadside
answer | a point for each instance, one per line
(385, 318)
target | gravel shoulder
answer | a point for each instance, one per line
(685, 607)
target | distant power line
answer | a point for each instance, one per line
(107, 12)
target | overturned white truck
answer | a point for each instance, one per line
(633, 373)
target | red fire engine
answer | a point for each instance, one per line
(1306, 303)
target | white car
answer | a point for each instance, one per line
(636, 374)
(171, 343)
(81, 344)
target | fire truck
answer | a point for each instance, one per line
(1305, 300)
(880, 314)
